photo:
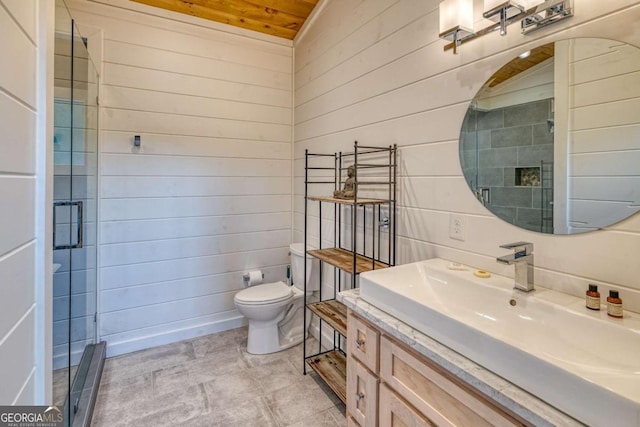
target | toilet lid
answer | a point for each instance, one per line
(265, 293)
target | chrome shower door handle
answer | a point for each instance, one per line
(80, 223)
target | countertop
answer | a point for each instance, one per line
(520, 402)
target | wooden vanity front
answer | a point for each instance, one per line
(389, 384)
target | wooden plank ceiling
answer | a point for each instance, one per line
(281, 18)
(518, 65)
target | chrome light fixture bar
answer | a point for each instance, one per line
(533, 18)
(546, 14)
(506, 12)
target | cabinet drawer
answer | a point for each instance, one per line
(394, 412)
(363, 341)
(362, 394)
(432, 391)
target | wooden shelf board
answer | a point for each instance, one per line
(333, 312)
(360, 201)
(332, 368)
(343, 259)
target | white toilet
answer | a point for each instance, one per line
(275, 310)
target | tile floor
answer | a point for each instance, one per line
(213, 381)
(61, 384)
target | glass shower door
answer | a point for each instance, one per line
(75, 181)
(61, 145)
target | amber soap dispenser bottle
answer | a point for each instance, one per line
(593, 298)
(614, 304)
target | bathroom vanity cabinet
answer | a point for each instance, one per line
(363, 239)
(389, 384)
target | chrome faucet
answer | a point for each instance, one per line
(522, 259)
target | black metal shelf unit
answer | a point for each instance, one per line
(357, 244)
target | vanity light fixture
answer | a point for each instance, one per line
(506, 12)
(456, 17)
(456, 21)
(545, 14)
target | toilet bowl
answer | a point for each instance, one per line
(276, 310)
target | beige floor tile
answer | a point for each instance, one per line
(275, 375)
(211, 381)
(338, 413)
(149, 360)
(320, 419)
(117, 402)
(298, 401)
(171, 409)
(242, 411)
(128, 389)
(232, 387)
(170, 379)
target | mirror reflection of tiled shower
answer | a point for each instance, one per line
(507, 157)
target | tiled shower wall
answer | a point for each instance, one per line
(495, 144)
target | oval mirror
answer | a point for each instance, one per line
(551, 142)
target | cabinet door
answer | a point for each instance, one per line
(362, 342)
(395, 412)
(434, 393)
(362, 394)
(351, 422)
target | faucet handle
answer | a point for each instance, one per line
(520, 248)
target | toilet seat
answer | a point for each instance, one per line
(267, 293)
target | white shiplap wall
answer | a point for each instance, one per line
(375, 71)
(208, 194)
(18, 120)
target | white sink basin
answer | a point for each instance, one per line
(578, 361)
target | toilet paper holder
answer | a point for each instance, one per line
(245, 277)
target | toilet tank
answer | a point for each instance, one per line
(297, 267)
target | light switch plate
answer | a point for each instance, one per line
(456, 227)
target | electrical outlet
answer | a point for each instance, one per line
(456, 227)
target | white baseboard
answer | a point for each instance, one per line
(117, 348)
(123, 347)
